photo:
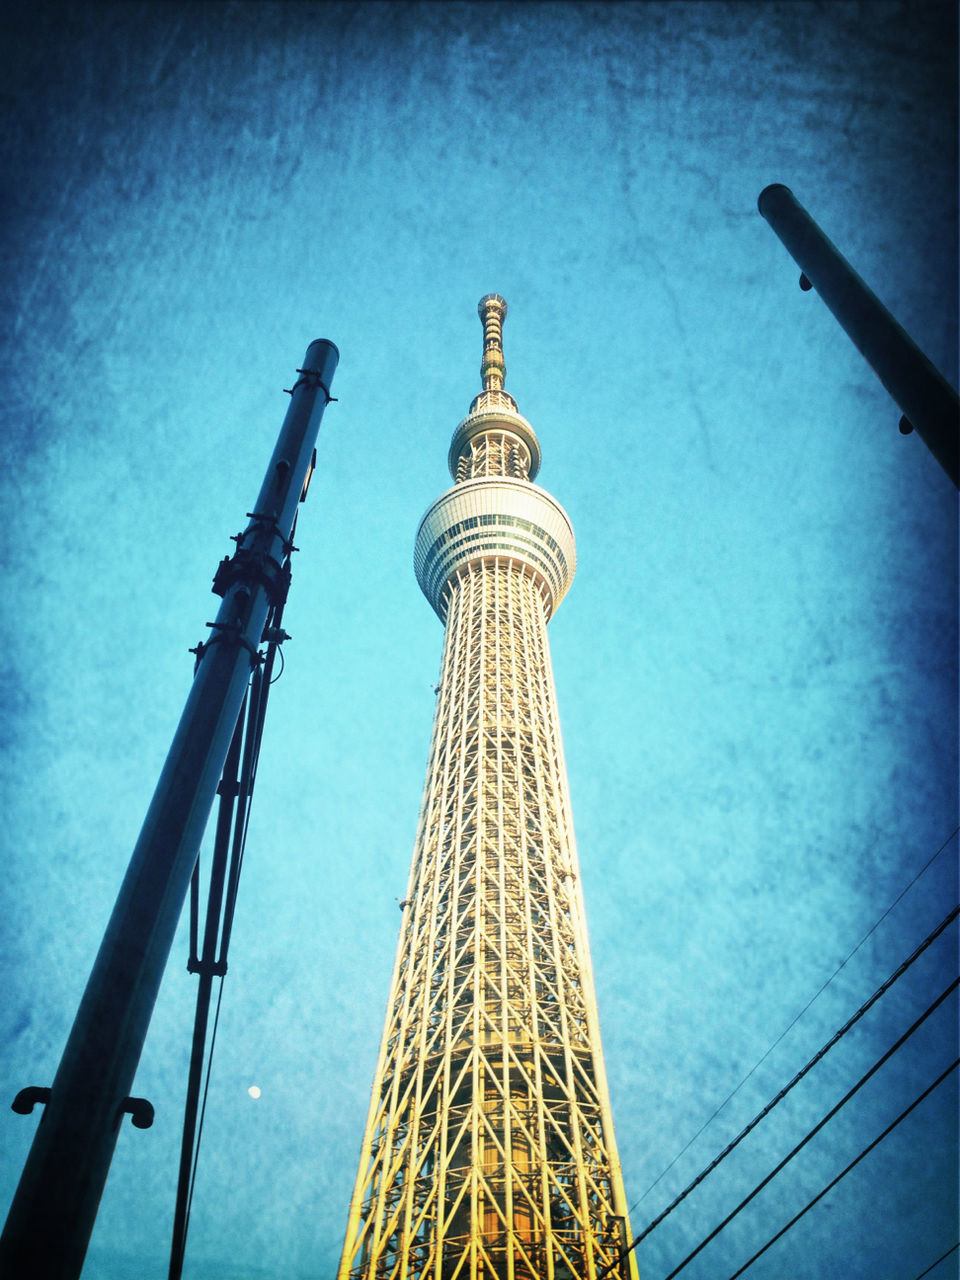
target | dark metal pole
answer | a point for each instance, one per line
(55, 1206)
(926, 399)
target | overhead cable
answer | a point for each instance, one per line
(817, 1057)
(816, 1129)
(710, 1119)
(938, 1261)
(843, 1173)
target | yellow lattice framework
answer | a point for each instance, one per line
(489, 1148)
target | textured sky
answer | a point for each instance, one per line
(756, 665)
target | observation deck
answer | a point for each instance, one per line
(499, 518)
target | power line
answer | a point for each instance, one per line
(786, 1030)
(830, 1185)
(816, 1129)
(817, 1057)
(938, 1261)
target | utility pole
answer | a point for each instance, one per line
(927, 401)
(53, 1212)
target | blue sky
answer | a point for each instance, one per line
(756, 665)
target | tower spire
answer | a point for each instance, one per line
(494, 439)
(492, 310)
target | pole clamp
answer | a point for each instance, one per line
(310, 378)
(216, 968)
(266, 521)
(229, 633)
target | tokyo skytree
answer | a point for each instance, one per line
(489, 1148)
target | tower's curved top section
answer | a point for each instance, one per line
(494, 438)
(493, 512)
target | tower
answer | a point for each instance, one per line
(489, 1148)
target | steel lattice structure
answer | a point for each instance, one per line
(489, 1148)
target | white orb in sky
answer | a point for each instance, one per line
(254, 1091)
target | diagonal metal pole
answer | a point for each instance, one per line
(55, 1206)
(926, 399)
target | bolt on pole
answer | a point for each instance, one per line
(53, 1211)
(925, 398)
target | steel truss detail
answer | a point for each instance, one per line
(489, 1150)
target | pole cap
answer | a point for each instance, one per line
(322, 358)
(769, 191)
